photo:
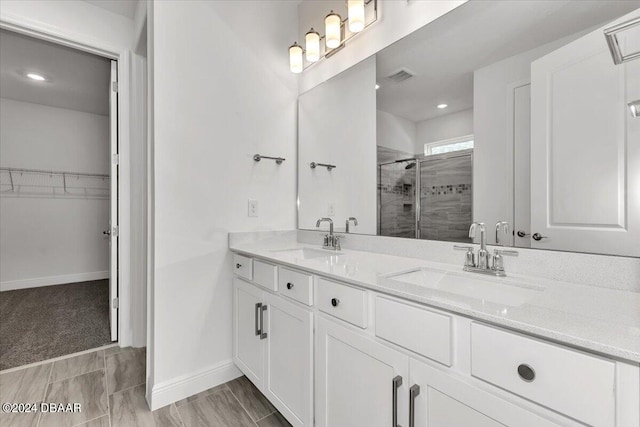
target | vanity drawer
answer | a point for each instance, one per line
(422, 331)
(296, 285)
(568, 381)
(243, 266)
(343, 302)
(265, 275)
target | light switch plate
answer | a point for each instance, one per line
(253, 208)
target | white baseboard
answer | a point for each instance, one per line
(167, 392)
(53, 280)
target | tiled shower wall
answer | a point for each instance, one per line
(446, 194)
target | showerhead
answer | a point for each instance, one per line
(410, 165)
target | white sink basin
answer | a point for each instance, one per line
(307, 253)
(495, 290)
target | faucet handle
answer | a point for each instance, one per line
(470, 258)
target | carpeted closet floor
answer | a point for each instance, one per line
(42, 323)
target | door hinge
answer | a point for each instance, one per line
(115, 159)
(116, 303)
(114, 231)
(114, 86)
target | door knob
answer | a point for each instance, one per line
(537, 237)
(521, 233)
(107, 232)
(335, 302)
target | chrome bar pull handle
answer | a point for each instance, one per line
(257, 317)
(397, 382)
(263, 334)
(414, 391)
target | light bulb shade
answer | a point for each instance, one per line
(356, 15)
(295, 58)
(332, 30)
(312, 45)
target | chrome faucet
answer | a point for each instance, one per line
(483, 255)
(355, 222)
(496, 267)
(331, 241)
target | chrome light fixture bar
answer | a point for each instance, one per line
(361, 14)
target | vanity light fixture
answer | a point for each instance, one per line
(635, 108)
(295, 58)
(361, 14)
(355, 10)
(312, 45)
(442, 106)
(36, 77)
(333, 30)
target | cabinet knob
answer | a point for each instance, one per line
(289, 285)
(335, 302)
(238, 265)
(526, 372)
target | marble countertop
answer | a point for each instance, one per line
(602, 320)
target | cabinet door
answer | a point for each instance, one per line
(356, 380)
(585, 159)
(248, 347)
(288, 381)
(447, 401)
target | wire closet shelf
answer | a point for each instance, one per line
(18, 182)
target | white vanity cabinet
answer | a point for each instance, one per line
(438, 398)
(379, 360)
(359, 382)
(273, 347)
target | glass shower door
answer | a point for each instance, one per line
(397, 199)
(445, 211)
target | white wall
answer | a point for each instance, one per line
(72, 19)
(48, 241)
(441, 128)
(493, 151)
(396, 19)
(336, 125)
(396, 133)
(222, 92)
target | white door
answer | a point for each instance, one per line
(359, 382)
(113, 217)
(248, 338)
(288, 381)
(585, 150)
(439, 399)
(521, 166)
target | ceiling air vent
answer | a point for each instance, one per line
(400, 75)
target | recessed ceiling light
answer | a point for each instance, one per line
(37, 77)
(377, 86)
(441, 106)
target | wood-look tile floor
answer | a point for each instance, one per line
(110, 386)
